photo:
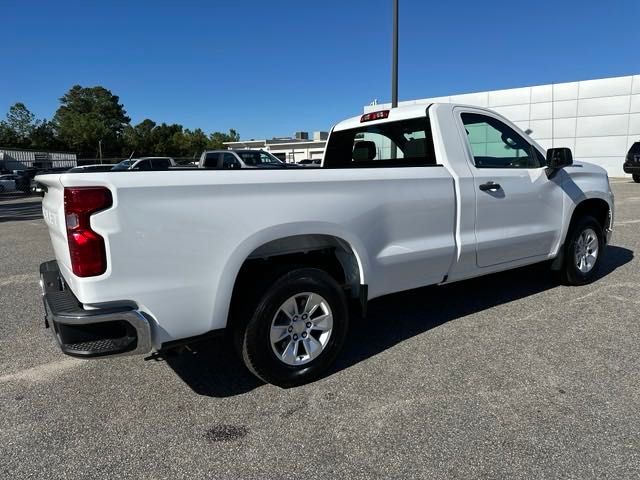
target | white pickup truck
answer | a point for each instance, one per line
(280, 258)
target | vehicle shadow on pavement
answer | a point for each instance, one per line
(13, 212)
(395, 318)
(213, 369)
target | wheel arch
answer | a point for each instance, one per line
(596, 206)
(292, 240)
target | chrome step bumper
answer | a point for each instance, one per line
(101, 332)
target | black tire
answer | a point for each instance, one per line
(253, 336)
(636, 177)
(570, 274)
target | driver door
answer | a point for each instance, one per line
(518, 209)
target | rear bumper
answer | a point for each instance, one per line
(112, 331)
(631, 167)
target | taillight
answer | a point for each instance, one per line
(88, 256)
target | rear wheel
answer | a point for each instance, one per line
(636, 177)
(295, 330)
(583, 252)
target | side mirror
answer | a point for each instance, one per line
(559, 157)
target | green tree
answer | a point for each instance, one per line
(43, 137)
(8, 137)
(139, 139)
(22, 130)
(195, 142)
(167, 139)
(216, 139)
(21, 121)
(16, 130)
(89, 115)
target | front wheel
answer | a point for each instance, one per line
(583, 252)
(636, 177)
(296, 329)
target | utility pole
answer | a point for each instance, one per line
(100, 150)
(394, 60)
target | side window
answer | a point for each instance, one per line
(393, 144)
(211, 160)
(496, 145)
(250, 159)
(143, 165)
(264, 158)
(229, 161)
(161, 164)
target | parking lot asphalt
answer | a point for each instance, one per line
(508, 376)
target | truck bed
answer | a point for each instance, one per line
(175, 241)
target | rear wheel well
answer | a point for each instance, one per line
(324, 259)
(274, 259)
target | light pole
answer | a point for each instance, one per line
(394, 60)
(394, 70)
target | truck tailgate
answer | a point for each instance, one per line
(53, 213)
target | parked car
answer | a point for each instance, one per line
(308, 162)
(632, 162)
(281, 259)
(91, 168)
(233, 159)
(23, 180)
(145, 163)
(7, 183)
(14, 182)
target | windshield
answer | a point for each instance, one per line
(123, 165)
(256, 158)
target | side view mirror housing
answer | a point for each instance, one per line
(559, 157)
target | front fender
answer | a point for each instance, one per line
(584, 181)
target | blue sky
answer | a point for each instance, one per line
(271, 68)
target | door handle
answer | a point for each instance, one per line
(490, 186)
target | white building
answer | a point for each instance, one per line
(13, 159)
(598, 119)
(287, 149)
